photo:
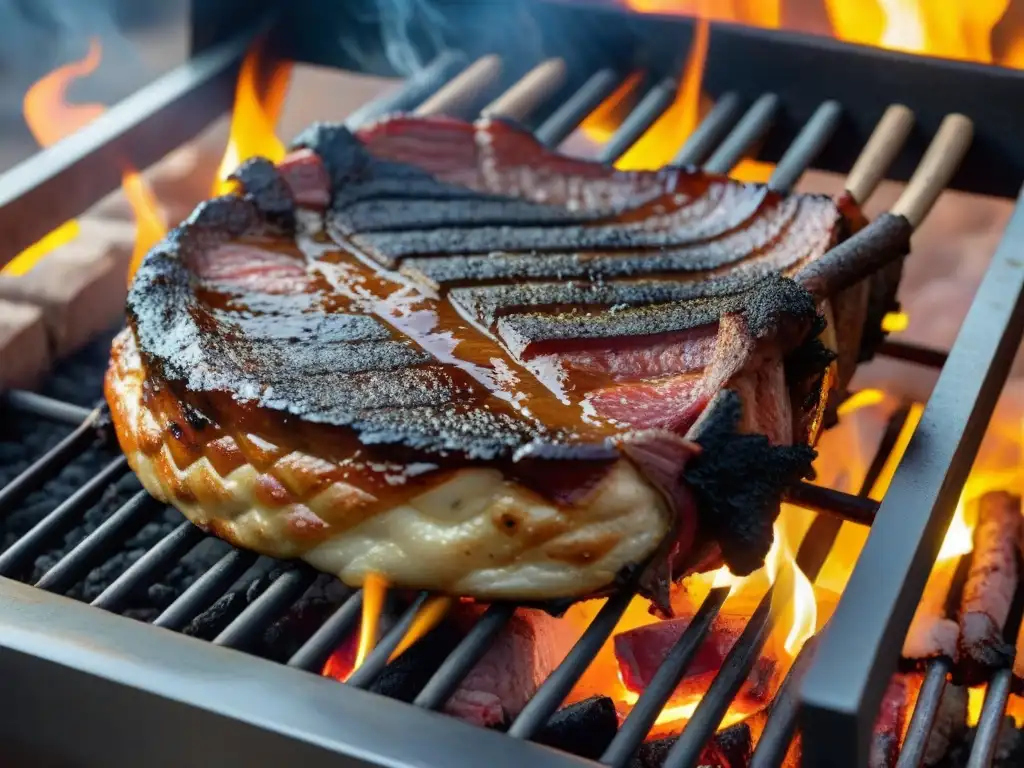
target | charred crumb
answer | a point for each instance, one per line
(740, 516)
(585, 728)
(268, 191)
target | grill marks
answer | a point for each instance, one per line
(496, 223)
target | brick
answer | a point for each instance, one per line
(24, 349)
(79, 288)
(114, 237)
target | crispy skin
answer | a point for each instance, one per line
(372, 359)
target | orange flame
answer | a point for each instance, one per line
(658, 144)
(428, 617)
(51, 118)
(375, 590)
(254, 118)
(150, 220)
(954, 29)
(987, 31)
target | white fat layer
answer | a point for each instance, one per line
(446, 538)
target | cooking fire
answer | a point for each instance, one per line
(575, 403)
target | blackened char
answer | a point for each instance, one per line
(681, 296)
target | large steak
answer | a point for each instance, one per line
(438, 351)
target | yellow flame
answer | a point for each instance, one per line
(50, 118)
(254, 118)
(663, 139)
(428, 617)
(375, 589)
(680, 713)
(865, 398)
(28, 258)
(793, 598)
(150, 220)
(975, 700)
(895, 322)
(959, 538)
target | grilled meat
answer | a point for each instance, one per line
(438, 351)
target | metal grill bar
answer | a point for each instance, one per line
(752, 126)
(61, 182)
(46, 407)
(266, 609)
(155, 563)
(206, 589)
(460, 662)
(315, 651)
(992, 711)
(711, 131)
(49, 465)
(413, 90)
(856, 658)
(777, 736)
(32, 544)
(566, 118)
(378, 658)
(811, 140)
(647, 708)
(99, 544)
(651, 107)
(553, 691)
(927, 708)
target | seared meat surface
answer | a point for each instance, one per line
(439, 351)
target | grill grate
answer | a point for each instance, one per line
(723, 138)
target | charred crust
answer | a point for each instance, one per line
(740, 516)
(268, 191)
(778, 297)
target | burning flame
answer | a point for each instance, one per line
(895, 322)
(658, 144)
(254, 118)
(968, 30)
(375, 590)
(51, 118)
(793, 598)
(428, 617)
(955, 29)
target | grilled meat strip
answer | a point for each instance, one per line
(438, 351)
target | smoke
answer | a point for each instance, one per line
(413, 32)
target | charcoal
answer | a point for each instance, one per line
(405, 677)
(215, 619)
(286, 635)
(585, 728)
(1009, 751)
(730, 748)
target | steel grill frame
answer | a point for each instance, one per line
(65, 656)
